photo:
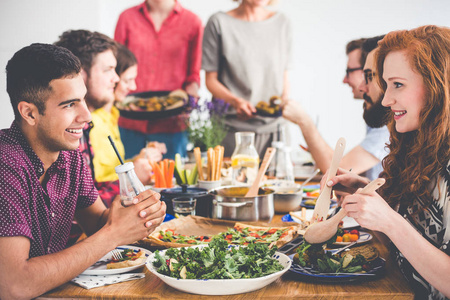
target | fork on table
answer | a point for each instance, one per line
(116, 254)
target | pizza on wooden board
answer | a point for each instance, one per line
(129, 258)
(240, 234)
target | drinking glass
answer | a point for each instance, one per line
(184, 206)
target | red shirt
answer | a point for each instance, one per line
(168, 59)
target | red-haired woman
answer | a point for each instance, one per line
(413, 208)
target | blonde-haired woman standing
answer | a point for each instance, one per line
(246, 56)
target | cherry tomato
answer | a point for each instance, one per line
(354, 231)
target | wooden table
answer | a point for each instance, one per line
(391, 286)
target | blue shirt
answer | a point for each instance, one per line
(375, 143)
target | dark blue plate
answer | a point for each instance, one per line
(168, 217)
(309, 274)
(265, 114)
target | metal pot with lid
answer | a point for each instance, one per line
(230, 203)
(202, 196)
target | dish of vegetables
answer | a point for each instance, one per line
(217, 268)
(313, 262)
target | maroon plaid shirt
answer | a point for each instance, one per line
(42, 213)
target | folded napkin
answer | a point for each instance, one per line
(92, 281)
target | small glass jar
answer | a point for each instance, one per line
(245, 159)
(130, 185)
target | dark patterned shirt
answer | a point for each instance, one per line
(107, 190)
(433, 223)
(42, 213)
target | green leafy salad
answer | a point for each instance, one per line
(216, 261)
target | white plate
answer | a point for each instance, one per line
(364, 237)
(221, 286)
(101, 269)
(277, 184)
(348, 222)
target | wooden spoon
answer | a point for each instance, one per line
(323, 231)
(253, 191)
(324, 200)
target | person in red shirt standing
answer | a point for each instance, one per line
(167, 42)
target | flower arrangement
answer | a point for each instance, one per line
(206, 124)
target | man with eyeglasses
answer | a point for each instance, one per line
(355, 63)
(374, 112)
(365, 158)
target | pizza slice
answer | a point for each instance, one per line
(277, 236)
(129, 258)
(170, 238)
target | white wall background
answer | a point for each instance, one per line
(321, 30)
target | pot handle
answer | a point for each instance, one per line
(232, 204)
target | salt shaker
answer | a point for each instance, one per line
(130, 185)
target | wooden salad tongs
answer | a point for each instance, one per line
(323, 201)
(323, 231)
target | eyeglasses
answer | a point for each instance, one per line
(368, 75)
(350, 70)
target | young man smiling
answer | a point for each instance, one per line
(46, 184)
(97, 53)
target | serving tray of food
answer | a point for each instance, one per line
(154, 105)
(270, 109)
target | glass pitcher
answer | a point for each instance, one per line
(281, 166)
(245, 159)
(130, 185)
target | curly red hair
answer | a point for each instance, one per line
(417, 157)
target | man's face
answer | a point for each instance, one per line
(101, 80)
(61, 125)
(374, 113)
(354, 74)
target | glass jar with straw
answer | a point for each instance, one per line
(130, 185)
